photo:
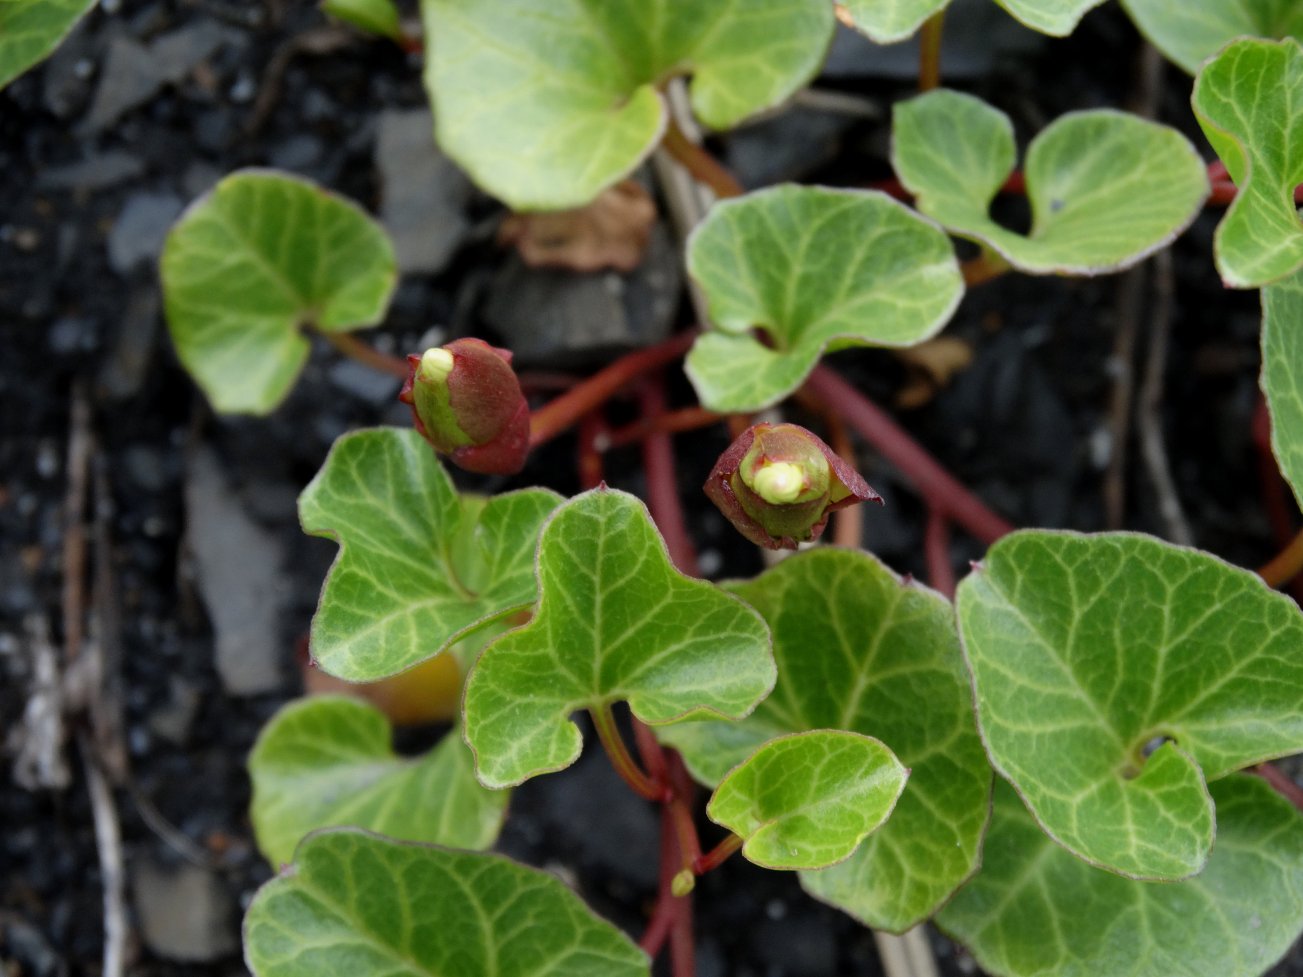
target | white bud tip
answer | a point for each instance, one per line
(436, 363)
(779, 483)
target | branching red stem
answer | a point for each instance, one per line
(558, 415)
(662, 485)
(592, 430)
(669, 422)
(718, 855)
(933, 482)
(356, 349)
(936, 547)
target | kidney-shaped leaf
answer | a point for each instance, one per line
(1086, 650)
(419, 566)
(1106, 188)
(252, 263)
(31, 29)
(810, 266)
(809, 799)
(327, 762)
(860, 649)
(888, 23)
(1035, 910)
(615, 621)
(1190, 33)
(1282, 374)
(1058, 18)
(1249, 101)
(546, 105)
(358, 905)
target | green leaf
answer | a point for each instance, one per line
(1282, 374)
(1190, 33)
(545, 106)
(811, 267)
(356, 905)
(1086, 649)
(327, 761)
(377, 16)
(615, 621)
(1106, 188)
(1034, 910)
(419, 566)
(892, 21)
(809, 799)
(860, 649)
(1058, 18)
(252, 263)
(30, 30)
(1249, 101)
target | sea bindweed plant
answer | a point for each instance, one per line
(1066, 767)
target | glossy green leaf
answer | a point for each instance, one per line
(1282, 374)
(30, 30)
(1058, 18)
(327, 761)
(546, 105)
(1190, 33)
(356, 905)
(809, 799)
(1106, 188)
(615, 621)
(1249, 101)
(1035, 911)
(1085, 650)
(419, 566)
(889, 21)
(810, 267)
(860, 649)
(251, 264)
(376, 16)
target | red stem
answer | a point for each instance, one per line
(933, 482)
(936, 547)
(682, 951)
(1281, 783)
(718, 855)
(929, 52)
(662, 485)
(669, 422)
(592, 429)
(703, 167)
(625, 765)
(356, 349)
(667, 904)
(653, 756)
(559, 414)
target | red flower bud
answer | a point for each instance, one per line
(777, 484)
(467, 402)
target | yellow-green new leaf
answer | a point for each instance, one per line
(377, 16)
(860, 649)
(1249, 101)
(1190, 33)
(809, 799)
(1106, 188)
(419, 567)
(615, 621)
(30, 30)
(357, 905)
(1058, 18)
(1034, 910)
(545, 105)
(327, 762)
(250, 265)
(810, 267)
(1086, 651)
(1282, 374)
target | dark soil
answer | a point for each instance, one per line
(83, 203)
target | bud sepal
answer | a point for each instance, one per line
(778, 483)
(467, 402)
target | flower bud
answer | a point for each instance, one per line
(467, 402)
(777, 484)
